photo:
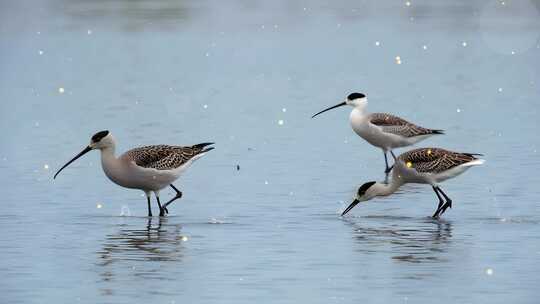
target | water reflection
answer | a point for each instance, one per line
(157, 242)
(408, 239)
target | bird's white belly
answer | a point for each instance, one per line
(442, 176)
(135, 177)
(375, 136)
(412, 176)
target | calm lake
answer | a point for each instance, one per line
(248, 75)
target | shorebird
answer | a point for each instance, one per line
(382, 130)
(422, 166)
(148, 168)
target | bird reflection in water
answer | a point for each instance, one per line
(125, 254)
(410, 240)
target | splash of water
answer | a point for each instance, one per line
(125, 211)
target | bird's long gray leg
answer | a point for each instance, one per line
(149, 208)
(448, 201)
(387, 169)
(177, 196)
(161, 210)
(436, 214)
(393, 155)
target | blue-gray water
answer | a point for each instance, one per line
(183, 72)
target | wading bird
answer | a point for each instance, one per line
(382, 130)
(149, 168)
(422, 166)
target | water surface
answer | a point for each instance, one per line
(248, 75)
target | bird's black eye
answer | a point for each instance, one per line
(354, 96)
(362, 190)
(99, 135)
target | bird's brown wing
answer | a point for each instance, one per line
(395, 125)
(163, 157)
(434, 160)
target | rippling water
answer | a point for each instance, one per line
(248, 75)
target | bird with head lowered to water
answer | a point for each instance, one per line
(422, 166)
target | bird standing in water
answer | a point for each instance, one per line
(382, 130)
(149, 168)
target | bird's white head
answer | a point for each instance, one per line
(366, 192)
(356, 100)
(101, 140)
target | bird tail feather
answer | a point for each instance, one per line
(475, 162)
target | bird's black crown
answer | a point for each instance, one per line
(354, 96)
(99, 135)
(362, 190)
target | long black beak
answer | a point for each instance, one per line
(354, 203)
(83, 152)
(333, 107)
